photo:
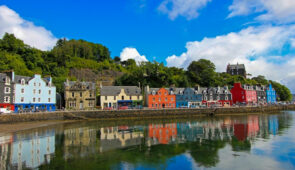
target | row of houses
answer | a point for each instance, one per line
(121, 97)
(21, 93)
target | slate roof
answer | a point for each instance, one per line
(115, 90)
(236, 66)
(89, 85)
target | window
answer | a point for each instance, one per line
(115, 97)
(226, 98)
(22, 90)
(159, 99)
(39, 100)
(122, 97)
(39, 84)
(22, 99)
(172, 99)
(39, 91)
(7, 81)
(73, 94)
(49, 92)
(166, 99)
(34, 99)
(80, 94)
(34, 84)
(49, 100)
(106, 97)
(7, 90)
(6, 99)
(90, 94)
(137, 97)
(154, 99)
(130, 97)
(22, 82)
(34, 91)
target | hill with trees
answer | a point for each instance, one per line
(79, 59)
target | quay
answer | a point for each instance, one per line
(138, 114)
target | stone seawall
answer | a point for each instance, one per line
(137, 114)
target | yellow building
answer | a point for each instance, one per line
(120, 97)
(80, 95)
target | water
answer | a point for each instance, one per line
(229, 142)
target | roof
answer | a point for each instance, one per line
(116, 90)
(236, 66)
(89, 85)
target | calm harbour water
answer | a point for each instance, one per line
(229, 142)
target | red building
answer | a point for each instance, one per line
(163, 132)
(243, 94)
(160, 98)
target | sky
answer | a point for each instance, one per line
(258, 33)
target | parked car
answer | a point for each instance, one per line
(4, 111)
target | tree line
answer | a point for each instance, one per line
(66, 54)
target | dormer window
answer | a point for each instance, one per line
(49, 84)
(22, 82)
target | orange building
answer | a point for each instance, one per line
(160, 98)
(163, 132)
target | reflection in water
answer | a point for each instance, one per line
(92, 145)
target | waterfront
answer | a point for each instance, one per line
(254, 141)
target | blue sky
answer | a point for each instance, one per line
(260, 34)
(129, 23)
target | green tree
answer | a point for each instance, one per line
(202, 72)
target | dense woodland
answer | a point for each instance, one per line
(67, 54)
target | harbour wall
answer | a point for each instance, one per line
(138, 114)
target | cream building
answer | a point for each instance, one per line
(120, 97)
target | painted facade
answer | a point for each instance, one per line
(160, 98)
(188, 97)
(34, 94)
(79, 95)
(121, 97)
(217, 96)
(243, 94)
(6, 90)
(261, 94)
(271, 96)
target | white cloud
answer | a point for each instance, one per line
(31, 34)
(132, 53)
(185, 8)
(293, 42)
(250, 46)
(281, 11)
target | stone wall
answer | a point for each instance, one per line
(137, 114)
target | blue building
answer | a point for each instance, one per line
(34, 94)
(270, 94)
(188, 97)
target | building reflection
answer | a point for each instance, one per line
(162, 133)
(79, 141)
(32, 150)
(5, 147)
(120, 136)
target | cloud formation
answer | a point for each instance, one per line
(132, 53)
(253, 46)
(280, 11)
(186, 8)
(31, 34)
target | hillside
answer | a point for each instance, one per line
(82, 60)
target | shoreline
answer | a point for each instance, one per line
(134, 114)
